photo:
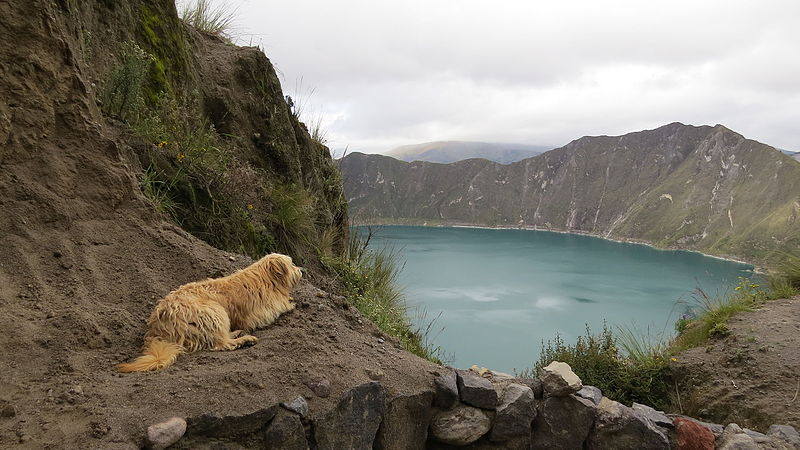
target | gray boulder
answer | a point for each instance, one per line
(654, 416)
(515, 413)
(298, 406)
(285, 432)
(620, 427)
(475, 390)
(460, 425)
(785, 433)
(559, 380)
(405, 425)
(446, 390)
(355, 420)
(591, 393)
(535, 384)
(734, 438)
(563, 422)
(213, 425)
(166, 433)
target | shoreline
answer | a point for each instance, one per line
(756, 267)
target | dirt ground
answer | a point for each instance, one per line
(74, 309)
(752, 376)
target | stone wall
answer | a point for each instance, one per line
(469, 409)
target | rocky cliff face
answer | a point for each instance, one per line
(704, 188)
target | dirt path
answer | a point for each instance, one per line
(752, 376)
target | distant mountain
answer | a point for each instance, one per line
(679, 186)
(795, 155)
(452, 151)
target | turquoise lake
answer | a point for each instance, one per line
(499, 293)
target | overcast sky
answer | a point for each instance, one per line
(383, 74)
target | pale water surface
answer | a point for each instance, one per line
(501, 292)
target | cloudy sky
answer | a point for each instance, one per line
(381, 74)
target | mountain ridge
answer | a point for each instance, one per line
(704, 188)
(453, 151)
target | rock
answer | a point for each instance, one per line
(692, 435)
(461, 425)
(563, 422)
(212, 425)
(757, 437)
(535, 384)
(375, 374)
(654, 416)
(355, 420)
(734, 438)
(285, 432)
(785, 433)
(7, 410)
(321, 387)
(475, 390)
(515, 413)
(620, 427)
(298, 405)
(166, 433)
(405, 425)
(591, 393)
(559, 380)
(446, 390)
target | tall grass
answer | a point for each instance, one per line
(218, 19)
(369, 279)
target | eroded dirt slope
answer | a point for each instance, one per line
(752, 376)
(83, 259)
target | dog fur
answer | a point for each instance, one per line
(215, 314)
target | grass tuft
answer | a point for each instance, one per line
(217, 20)
(369, 278)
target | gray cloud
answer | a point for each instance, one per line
(392, 73)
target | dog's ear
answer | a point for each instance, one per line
(279, 267)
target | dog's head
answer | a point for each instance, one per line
(282, 270)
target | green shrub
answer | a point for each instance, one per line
(639, 376)
(121, 93)
(369, 279)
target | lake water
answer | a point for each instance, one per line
(501, 292)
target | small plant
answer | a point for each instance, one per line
(121, 94)
(158, 191)
(202, 15)
(317, 131)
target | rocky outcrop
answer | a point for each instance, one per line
(355, 420)
(559, 380)
(621, 427)
(460, 425)
(674, 186)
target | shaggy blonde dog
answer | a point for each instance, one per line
(214, 314)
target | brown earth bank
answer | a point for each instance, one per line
(85, 256)
(750, 377)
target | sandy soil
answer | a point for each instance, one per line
(752, 376)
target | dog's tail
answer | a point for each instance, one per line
(157, 354)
